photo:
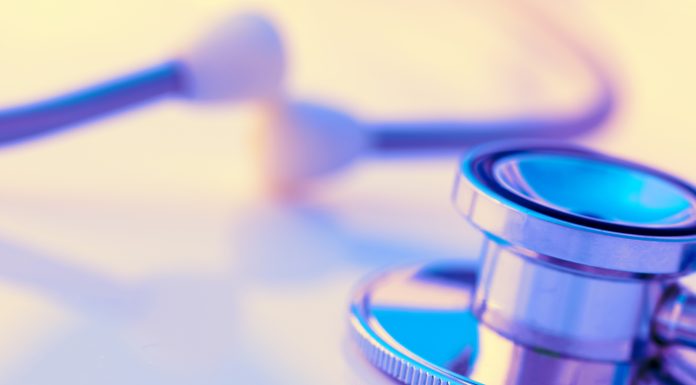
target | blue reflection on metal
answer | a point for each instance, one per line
(599, 190)
(453, 345)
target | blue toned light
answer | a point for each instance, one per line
(598, 189)
(445, 338)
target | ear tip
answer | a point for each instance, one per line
(240, 58)
(309, 141)
(252, 24)
(257, 19)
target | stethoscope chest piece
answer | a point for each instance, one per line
(577, 282)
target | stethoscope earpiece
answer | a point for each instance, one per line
(307, 140)
(577, 284)
(243, 59)
(240, 59)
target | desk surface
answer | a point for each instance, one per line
(142, 250)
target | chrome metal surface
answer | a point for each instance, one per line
(500, 361)
(416, 326)
(579, 315)
(566, 231)
(678, 365)
(591, 230)
(675, 320)
(578, 281)
(597, 190)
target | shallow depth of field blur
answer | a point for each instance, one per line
(145, 248)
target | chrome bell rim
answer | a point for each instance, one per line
(382, 348)
(556, 181)
(574, 207)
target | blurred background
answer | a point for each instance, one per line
(146, 248)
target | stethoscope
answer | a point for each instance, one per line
(244, 59)
(577, 284)
(581, 251)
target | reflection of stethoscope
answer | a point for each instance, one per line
(577, 284)
(244, 60)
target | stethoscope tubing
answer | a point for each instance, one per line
(59, 113)
(56, 114)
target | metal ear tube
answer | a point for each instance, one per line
(577, 284)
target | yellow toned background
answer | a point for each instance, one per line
(143, 249)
